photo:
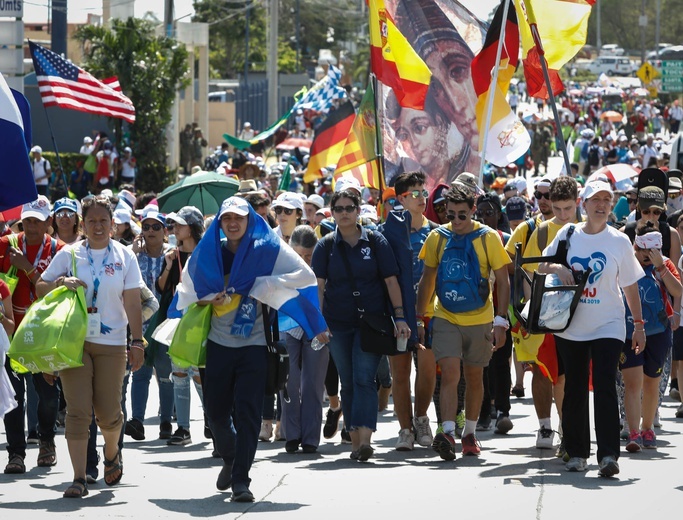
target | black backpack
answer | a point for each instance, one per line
(594, 155)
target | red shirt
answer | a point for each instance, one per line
(24, 294)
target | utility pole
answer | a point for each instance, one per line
(657, 28)
(298, 35)
(272, 70)
(598, 43)
(246, 47)
(169, 10)
(58, 40)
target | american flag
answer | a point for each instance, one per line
(64, 84)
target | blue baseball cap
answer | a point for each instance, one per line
(151, 211)
(65, 203)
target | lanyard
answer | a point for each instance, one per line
(96, 277)
(38, 256)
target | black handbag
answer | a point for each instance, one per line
(376, 329)
(278, 357)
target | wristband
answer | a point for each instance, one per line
(642, 322)
(397, 308)
(400, 319)
(499, 321)
(28, 273)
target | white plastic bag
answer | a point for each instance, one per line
(555, 305)
(7, 395)
(165, 331)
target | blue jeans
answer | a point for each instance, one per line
(181, 394)
(357, 370)
(234, 386)
(139, 389)
(48, 407)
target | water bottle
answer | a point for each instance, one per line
(316, 344)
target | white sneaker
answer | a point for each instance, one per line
(406, 440)
(423, 432)
(545, 439)
(657, 423)
(266, 431)
(576, 464)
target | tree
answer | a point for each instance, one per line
(151, 69)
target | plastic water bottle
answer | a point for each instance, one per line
(317, 344)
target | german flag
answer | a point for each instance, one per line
(361, 142)
(506, 138)
(329, 141)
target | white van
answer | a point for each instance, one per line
(611, 49)
(611, 65)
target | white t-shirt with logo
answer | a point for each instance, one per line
(120, 273)
(610, 256)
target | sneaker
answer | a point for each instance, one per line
(135, 429)
(657, 423)
(32, 438)
(345, 436)
(181, 437)
(165, 430)
(460, 424)
(406, 440)
(649, 439)
(545, 438)
(576, 464)
(635, 442)
(470, 445)
(624, 434)
(679, 412)
(561, 452)
(484, 423)
(444, 445)
(503, 424)
(675, 394)
(423, 432)
(266, 431)
(608, 466)
(331, 422)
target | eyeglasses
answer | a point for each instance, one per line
(416, 193)
(655, 212)
(64, 214)
(155, 227)
(486, 213)
(632, 201)
(280, 209)
(440, 208)
(391, 202)
(452, 216)
(348, 209)
(538, 195)
(170, 225)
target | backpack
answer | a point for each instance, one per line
(652, 301)
(459, 284)
(593, 155)
(530, 227)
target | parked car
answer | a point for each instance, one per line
(611, 49)
(611, 65)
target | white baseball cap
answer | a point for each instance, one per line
(594, 187)
(347, 183)
(39, 208)
(122, 216)
(316, 200)
(289, 200)
(36, 149)
(236, 205)
(369, 211)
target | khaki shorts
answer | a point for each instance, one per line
(473, 344)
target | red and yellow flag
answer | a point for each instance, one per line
(394, 61)
(329, 141)
(507, 139)
(562, 27)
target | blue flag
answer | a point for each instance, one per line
(16, 179)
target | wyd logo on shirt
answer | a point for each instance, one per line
(596, 262)
(109, 269)
(365, 251)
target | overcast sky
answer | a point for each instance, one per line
(36, 10)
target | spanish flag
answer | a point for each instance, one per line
(359, 157)
(329, 140)
(394, 61)
(551, 29)
(506, 139)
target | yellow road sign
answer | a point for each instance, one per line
(653, 92)
(647, 72)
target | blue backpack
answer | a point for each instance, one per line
(459, 284)
(652, 302)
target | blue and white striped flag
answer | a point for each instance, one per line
(265, 268)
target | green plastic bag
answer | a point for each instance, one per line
(188, 348)
(90, 164)
(10, 277)
(50, 337)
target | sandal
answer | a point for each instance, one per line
(15, 465)
(47, 455)
(111, 467)
(77, 489)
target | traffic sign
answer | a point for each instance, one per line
(647, 72)
(653, 92)
(672, 76)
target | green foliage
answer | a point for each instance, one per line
(69, 160)
(150, 69)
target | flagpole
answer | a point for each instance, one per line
(492, 93)
(54, 142)
(531, 18)
(378, 138)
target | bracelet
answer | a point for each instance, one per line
(28, 273)
(138, 347)
(400, 319)
(642, 322)
(500, 321)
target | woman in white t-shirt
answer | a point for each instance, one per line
(110, 275)
(598, 328)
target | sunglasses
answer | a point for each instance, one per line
(341, 209)
(440, 208)
(538, 195)
(655, 212)
(485, 213)
(416, 193)
(452, 216)
(64, 213)
(391, 202)
(155, 227)
(287, 211)
(632, 201)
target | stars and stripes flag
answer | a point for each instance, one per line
(63, 84)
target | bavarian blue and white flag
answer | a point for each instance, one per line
(324, 92)
(264, 268)
(16, 179)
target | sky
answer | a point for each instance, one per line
(78, 10)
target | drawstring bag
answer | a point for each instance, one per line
(278, 357)
(50, 337)
(551, 307)
(188, 347)
(10, 277)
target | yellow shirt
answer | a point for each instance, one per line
(520, 235)
(493, 258)
(532, 247)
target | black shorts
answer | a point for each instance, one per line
(652, 358)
